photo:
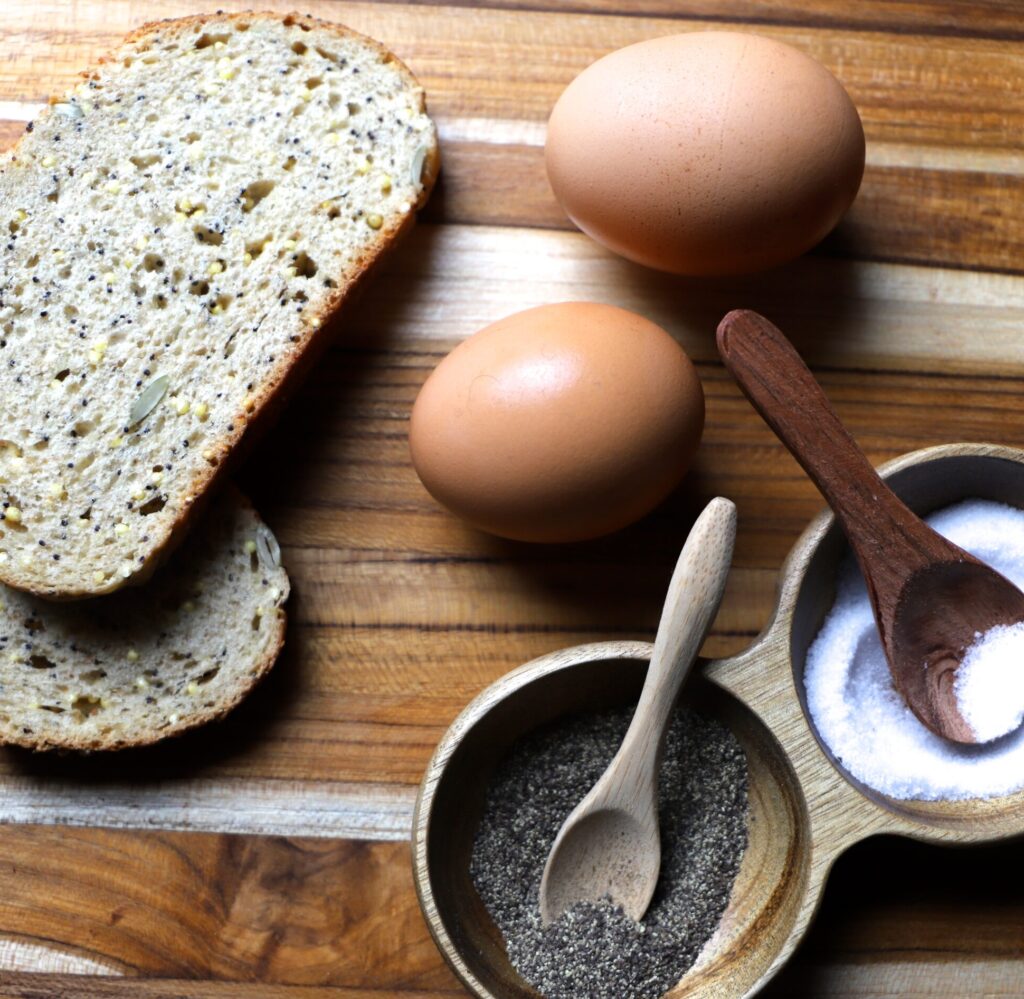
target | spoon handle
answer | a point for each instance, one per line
(776, 380)
(694, 595)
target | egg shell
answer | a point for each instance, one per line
(707, 153)
(560, 423)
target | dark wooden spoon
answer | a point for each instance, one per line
(930, 597)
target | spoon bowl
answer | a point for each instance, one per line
(607, 852)
(973, 598)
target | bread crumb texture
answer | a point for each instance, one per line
(175, 231)
(131, 668)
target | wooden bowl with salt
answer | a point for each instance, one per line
(805, 808)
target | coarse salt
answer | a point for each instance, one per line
(989, 683)
(863, 719)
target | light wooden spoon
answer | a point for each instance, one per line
(609, 846)
(930, 597)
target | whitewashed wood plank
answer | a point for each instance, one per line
(456, 279)
(255, 807)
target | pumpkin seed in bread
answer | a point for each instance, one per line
(177, 230)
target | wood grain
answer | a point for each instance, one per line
(928, 979)
(63, 987)
(949, 92)
(962, 18)
(390, 589)
(943, 115)
(235, 805)
(884, 936)
(285, 911)
(910, 314)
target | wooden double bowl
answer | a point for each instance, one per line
(805, 808)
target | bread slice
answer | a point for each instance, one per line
(149, 662)
(178, 229)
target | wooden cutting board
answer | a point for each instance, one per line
(268, 857)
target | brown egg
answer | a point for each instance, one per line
(707, 153)
(559, 423)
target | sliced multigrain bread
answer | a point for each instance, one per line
(136, 666)
(178, 229)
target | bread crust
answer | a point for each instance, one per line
(295, 361)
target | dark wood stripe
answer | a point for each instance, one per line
(997, 20)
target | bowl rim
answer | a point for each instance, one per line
(794, 567)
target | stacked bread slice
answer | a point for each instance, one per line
(150, 661)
